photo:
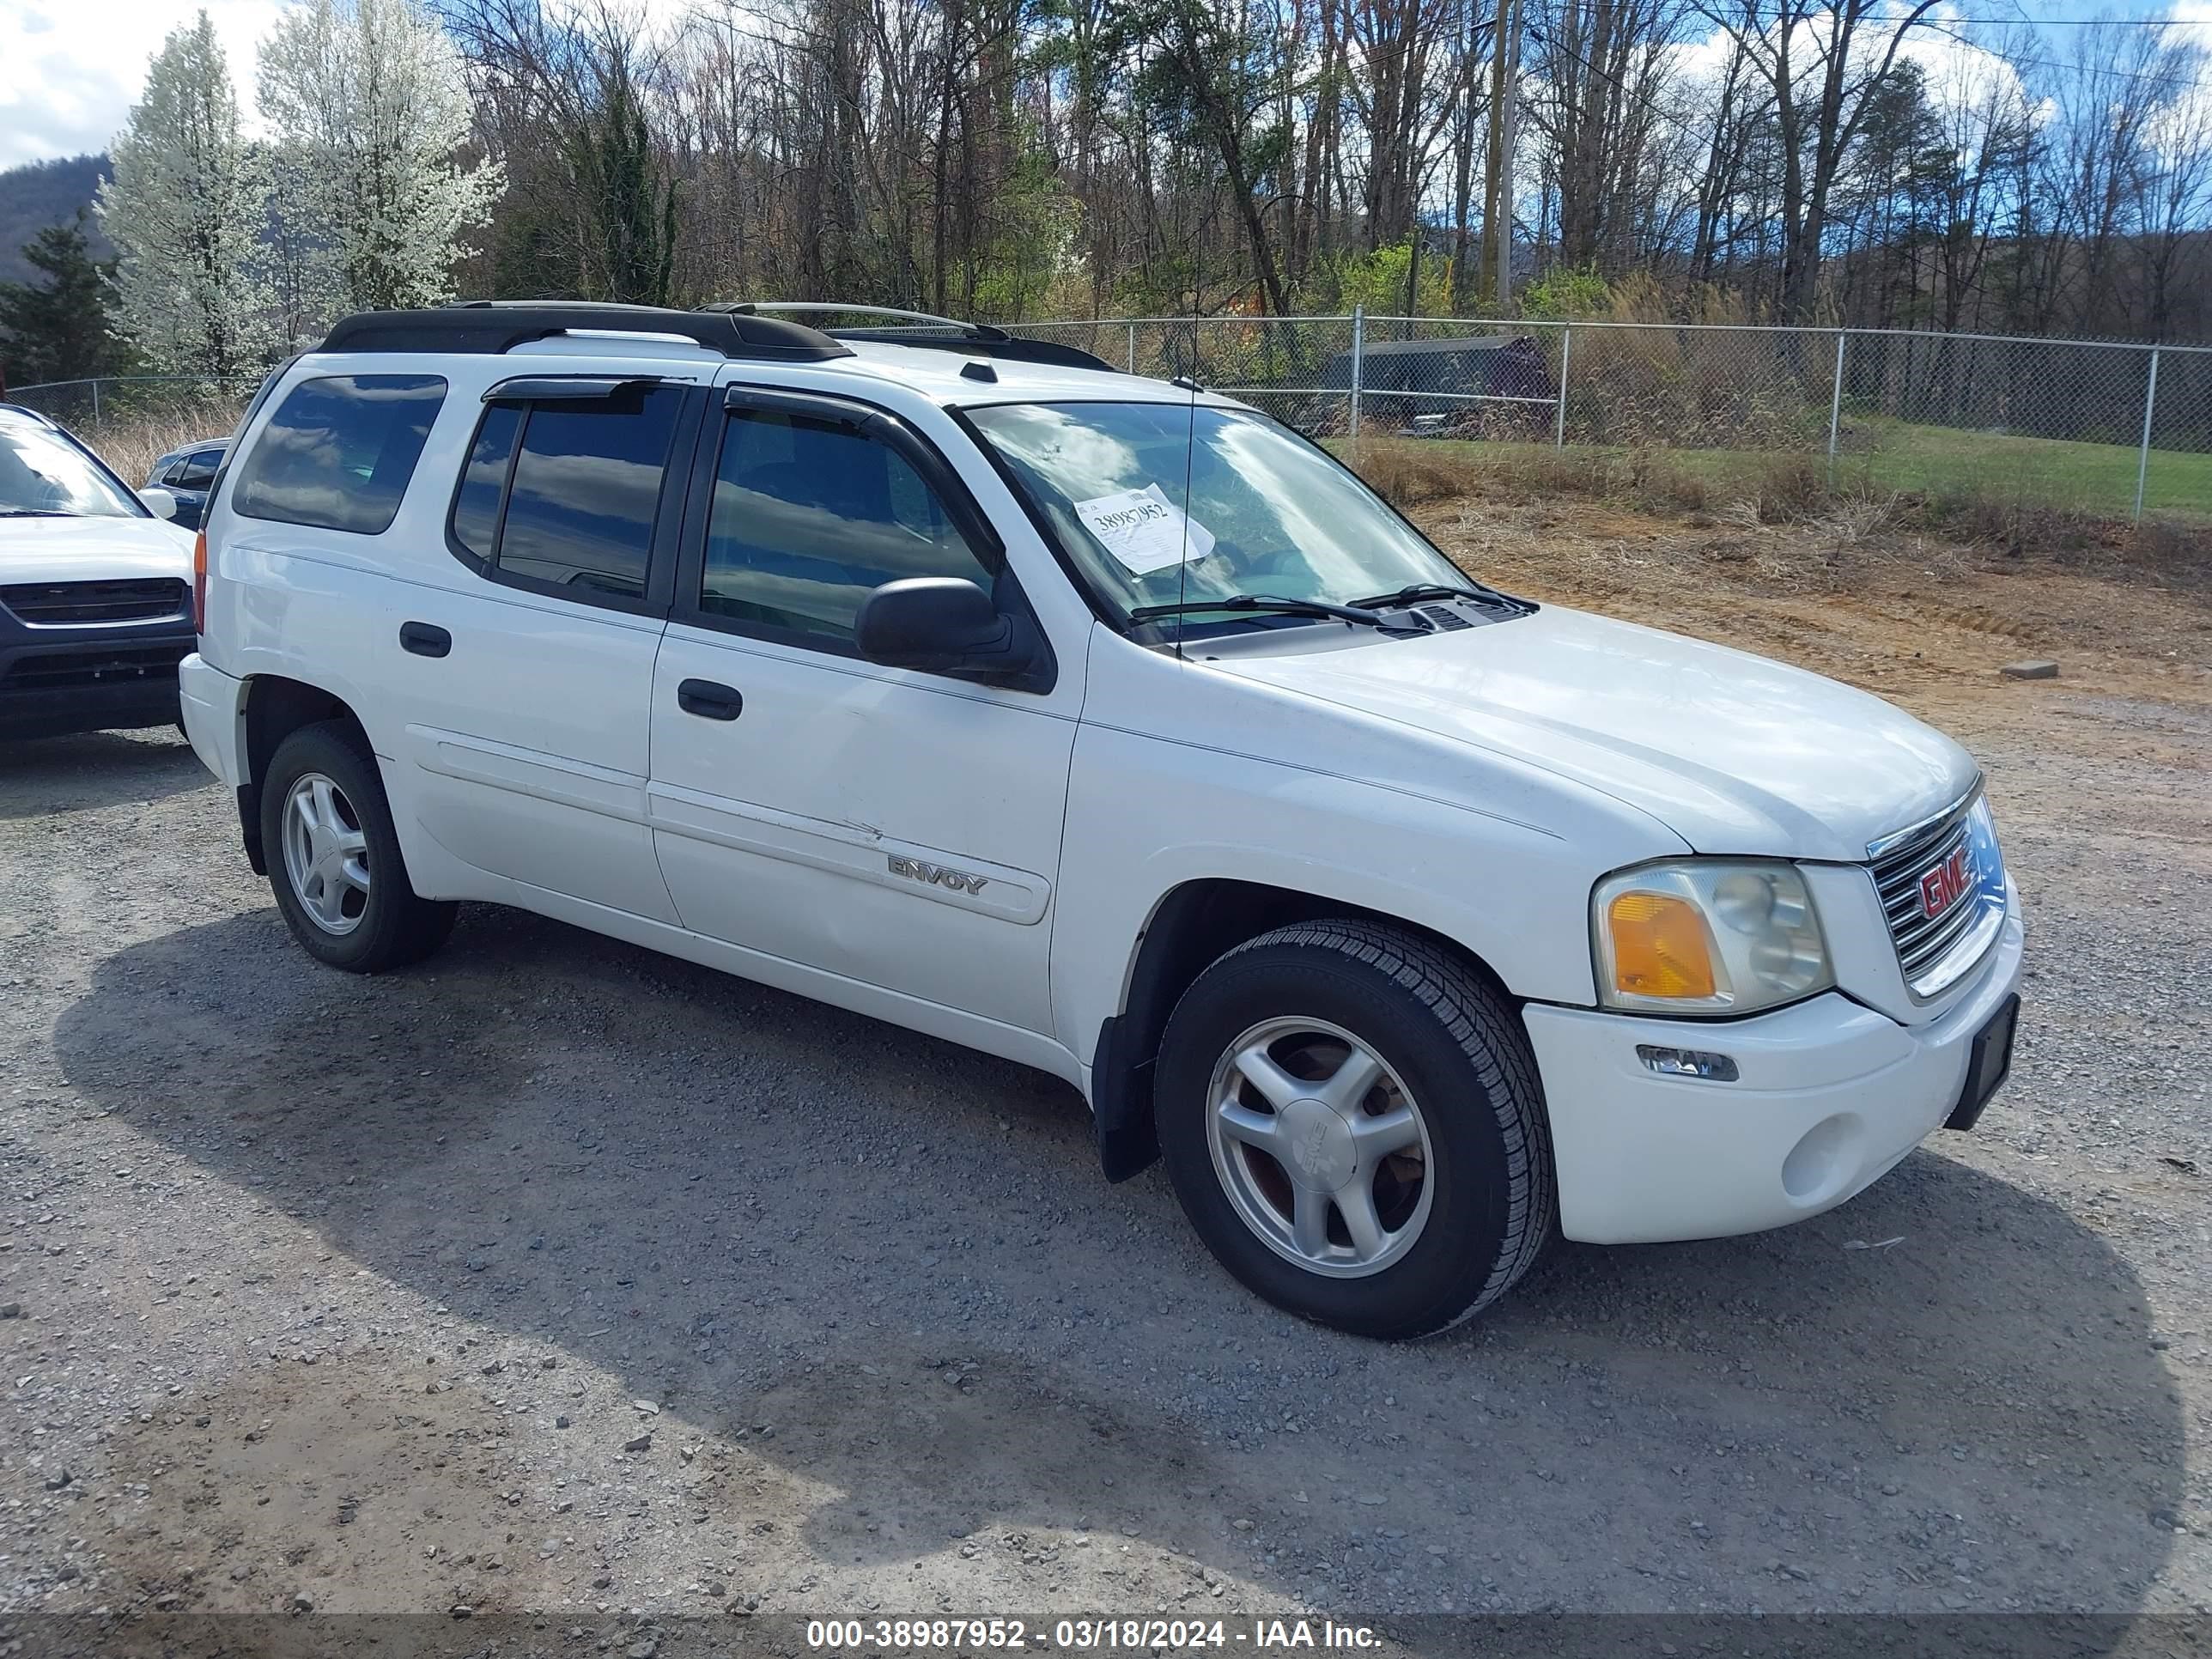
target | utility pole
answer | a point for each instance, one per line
(1509, 122)
(1497, 165)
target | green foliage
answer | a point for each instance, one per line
(631, 200)
(57, 329)
(1376, 281)
(1036, 225)
(1568, 293)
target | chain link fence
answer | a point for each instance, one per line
(2091, 427)
(88, 406)
(132, 419)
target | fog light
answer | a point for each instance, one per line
(1687, 1062)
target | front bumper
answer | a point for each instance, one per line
(54, 681)
(1831, 1096)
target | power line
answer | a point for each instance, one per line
(1617, 84)
(1710, 137)
(2016, 59)
(2083, 22)
(1754, 8)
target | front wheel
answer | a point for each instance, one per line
(1352, 1121)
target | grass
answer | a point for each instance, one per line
(2092, 478)
(131, 442)
(1956, 472)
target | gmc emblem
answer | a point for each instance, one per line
(1946, 884)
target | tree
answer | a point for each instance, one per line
(1602, 68)
(182, 210)
(1756, 159)
(1213, 76)
(57, 329)
(366, 98)
(1825, 66)
(628, 198)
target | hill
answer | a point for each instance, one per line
(43, 193)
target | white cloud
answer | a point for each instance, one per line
(1958, 71)
(70, 69)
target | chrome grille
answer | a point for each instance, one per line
(88, 604)
(1922, 941)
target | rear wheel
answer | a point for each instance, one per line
(336, 867)
(1352, 1121)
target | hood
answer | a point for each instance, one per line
(93, 550)
(1734, 753)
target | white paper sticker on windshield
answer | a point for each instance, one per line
(1144, 529)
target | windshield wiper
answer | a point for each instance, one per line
(1278, 606)
(1419, 591)
(35, 513)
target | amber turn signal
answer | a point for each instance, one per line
(1660, 947)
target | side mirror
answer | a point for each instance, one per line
(159, 502)
(942, 625)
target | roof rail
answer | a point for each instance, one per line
(486, 327)
(830, 307)
(976, 339)
(1009, 348)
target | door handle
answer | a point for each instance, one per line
(709, 700)
(424, 639)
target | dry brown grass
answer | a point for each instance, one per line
(1920, 618)
(130, 443)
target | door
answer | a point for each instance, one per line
(895, 828)
(528, 685)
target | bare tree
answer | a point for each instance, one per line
(1822, 62)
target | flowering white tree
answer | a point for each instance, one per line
(183, 210)
(367, 107)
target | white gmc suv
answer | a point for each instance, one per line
(1106, 725)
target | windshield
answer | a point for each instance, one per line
(1266, 512)
(45, 476)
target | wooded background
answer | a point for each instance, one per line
(1769, 160)
(1884, 163)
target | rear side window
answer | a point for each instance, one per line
(197, 472)
(562, 496)
(339, 452)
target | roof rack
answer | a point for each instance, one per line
(831, 307)
(487, 327)
(975, 339)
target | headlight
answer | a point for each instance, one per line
(1707, 936)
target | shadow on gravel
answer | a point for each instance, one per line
(47, 775)
(878, 1282)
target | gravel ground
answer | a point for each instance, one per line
(555, 1277)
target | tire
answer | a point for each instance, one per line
(1453, 1220)
(342, 883)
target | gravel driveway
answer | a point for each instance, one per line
(558, 1277)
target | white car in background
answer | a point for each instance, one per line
(95, 589)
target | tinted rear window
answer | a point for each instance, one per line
(339, 452)
(580, 497)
